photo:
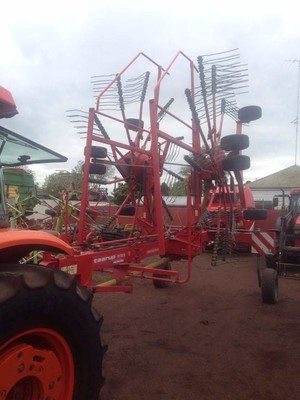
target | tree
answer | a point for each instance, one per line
(120, 193)
(57, 182)
(179, 187)
(62, 180)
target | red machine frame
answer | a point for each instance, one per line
(142, 167)
(58, 350)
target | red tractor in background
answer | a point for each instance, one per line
(50, 345)
(286, 259)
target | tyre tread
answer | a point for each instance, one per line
(26, 291)
(269, 286)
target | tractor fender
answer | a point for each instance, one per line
(15, 244)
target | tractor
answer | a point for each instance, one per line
(49, 335)
(286, 257)
(50, 345)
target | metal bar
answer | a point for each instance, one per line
(85, 184)
(156, 175)
(122, 72)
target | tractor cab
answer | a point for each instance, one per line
(288, 225)
(16, 151)
(294, 205)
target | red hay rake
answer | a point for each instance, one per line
(148, 148)
(147, 127)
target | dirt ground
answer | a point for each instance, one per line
(210, 339)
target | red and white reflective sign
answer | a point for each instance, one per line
(263, 243)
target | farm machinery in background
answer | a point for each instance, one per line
(233, 214)
(21, 195)
(50, 346)
(286, 259)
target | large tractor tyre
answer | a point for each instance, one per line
(249, 113)
(255, 214)
(234, 142)
(50, 346)
(237, 163)
(162, 284)
(269, 286)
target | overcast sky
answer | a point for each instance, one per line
(49, 51)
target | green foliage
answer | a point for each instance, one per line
(185, 171)
(62, 180)
(179, 188)
(120, 193)
(58, 182)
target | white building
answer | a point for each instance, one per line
(276, 184)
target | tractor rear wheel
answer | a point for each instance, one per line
(269, 285)
(50, 345)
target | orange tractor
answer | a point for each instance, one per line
(49, 335)
(50, 346)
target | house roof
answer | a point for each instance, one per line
(286, 178)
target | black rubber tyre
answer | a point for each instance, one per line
(162, 284)
(34, 301)
(234, 142)
(97, 152)
(236, 163)
(271, 261)
(255, 214)
(249, 113)
(258, 270)
(97, 169)
(133, 124)
(269, 286)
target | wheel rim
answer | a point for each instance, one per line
(36, 364)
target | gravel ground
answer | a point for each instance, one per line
(210, 339)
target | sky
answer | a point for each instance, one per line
(50, 50)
